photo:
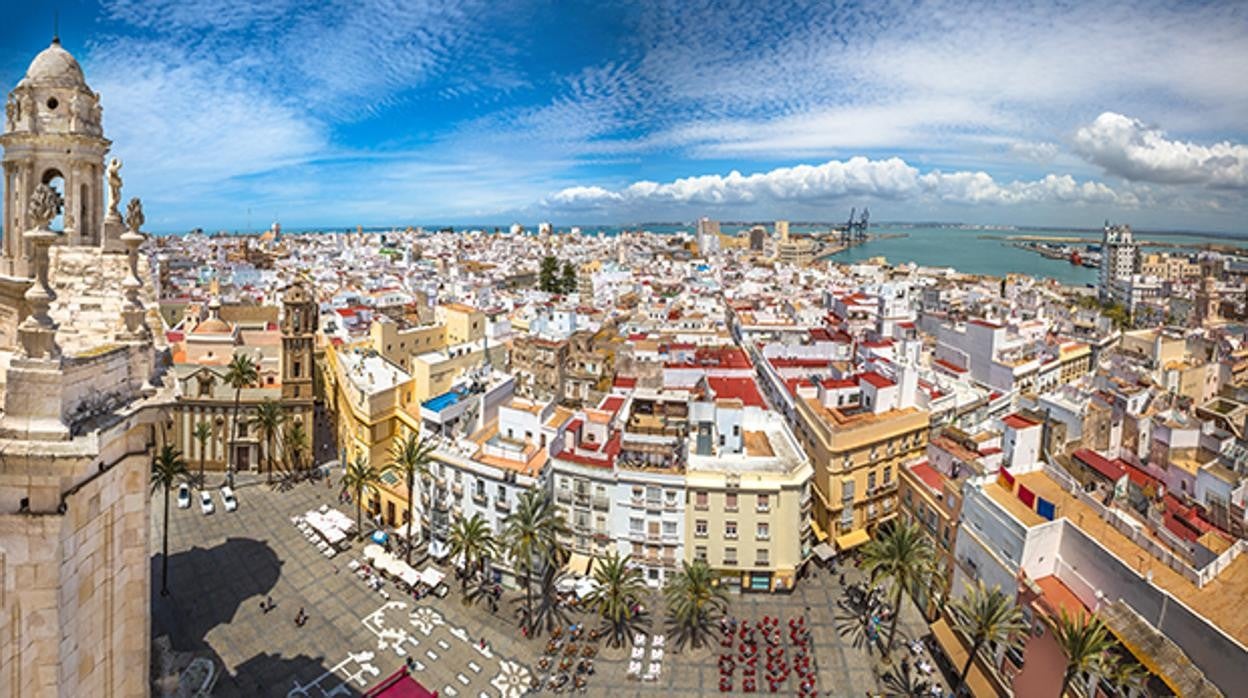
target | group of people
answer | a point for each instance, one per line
(744, 637)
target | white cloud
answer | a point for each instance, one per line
(892, 179)
(182, 125)
(1131, 149)
(1034, 152)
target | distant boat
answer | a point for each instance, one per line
(1075, 258)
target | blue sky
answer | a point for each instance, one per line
(392, 113)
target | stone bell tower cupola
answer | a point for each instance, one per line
(53, 135)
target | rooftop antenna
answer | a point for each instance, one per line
(56, 26)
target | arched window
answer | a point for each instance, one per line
(53, 178)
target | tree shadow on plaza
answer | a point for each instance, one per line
(208, 587)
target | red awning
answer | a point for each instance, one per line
(400, 685)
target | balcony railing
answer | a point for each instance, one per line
(479, 499)
(564, 496)
(601, 502)
(502, 506)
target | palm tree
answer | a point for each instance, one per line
(904, 556)
(550, 612)
(1125, 674)
(1084, 640)
(904, 681)
(985, 616)
(203, 432)
(296, 442)
(409, 460)
(359, 479)
(620, 588)
(694, 602)
(168, 469)
(473, 539)
(240, 373)
(269, 420)
(531, 534)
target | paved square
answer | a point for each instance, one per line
(222, 566)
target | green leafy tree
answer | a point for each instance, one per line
(473, 539)
(270, 416)
(568, 283)
(548, 275)
(203, 432)
(1084, 640)
(694, 603)
(985, 616)
(168, 469)
(358, 479)
(240, 373)
(903, 556)
(620, 588)
(409, 460)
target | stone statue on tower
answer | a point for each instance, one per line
(114, 188)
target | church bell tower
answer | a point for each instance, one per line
(53, 135)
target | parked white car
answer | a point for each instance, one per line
(205, 503)
(184, 496)
(227, 498)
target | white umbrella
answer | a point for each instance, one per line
(432, 577)
(373, 551)
(409, 576)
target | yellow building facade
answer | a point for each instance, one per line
(857, 459)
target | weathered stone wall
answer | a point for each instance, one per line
(89, 294)
(74, 581)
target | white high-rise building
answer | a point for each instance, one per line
(1119, 255)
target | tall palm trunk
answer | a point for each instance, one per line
(233, 435)
(164, 554)
(528, 598)
(892, 626)
(202, 454)
(359, 521)
(411, 488)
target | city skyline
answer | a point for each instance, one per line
(229, 114)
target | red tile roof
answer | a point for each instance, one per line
(1017, 421)
(877, 380)
(612, 404)
(743, 389)
(925, 472)
(949, 366)
(1100, 464)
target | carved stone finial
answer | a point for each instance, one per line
(134, 215)
(45, 203)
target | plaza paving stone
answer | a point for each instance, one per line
(223, 565)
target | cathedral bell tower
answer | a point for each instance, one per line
(298, 338)
(53, 135)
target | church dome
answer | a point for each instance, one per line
(56, 67)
